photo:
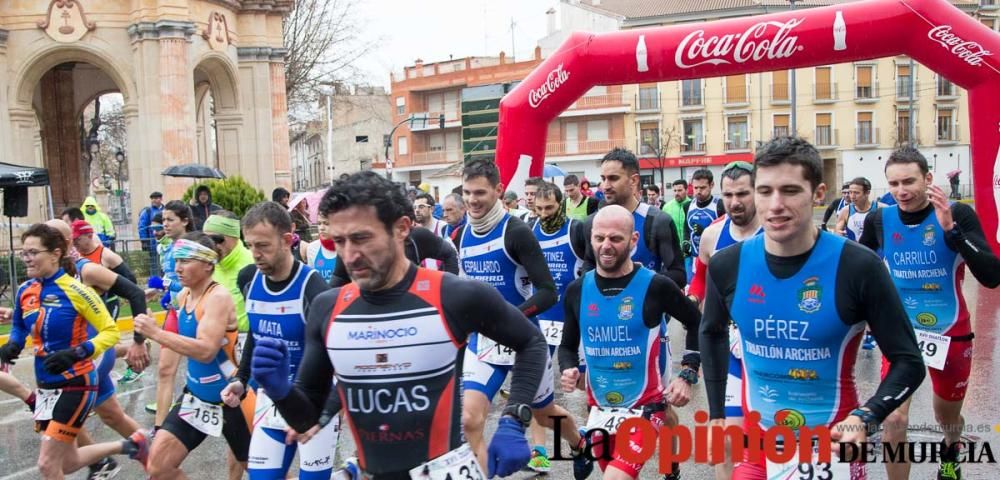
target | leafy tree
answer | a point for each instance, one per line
(233, 194)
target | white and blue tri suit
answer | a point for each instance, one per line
(856, 220)
(649, 259)
(281, 315)
(698, 219)
(322, 260)
(565, 266)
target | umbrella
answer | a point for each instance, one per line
(193, 170)
(952, 173)
(313, 198)
(553, 171)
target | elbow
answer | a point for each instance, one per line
(205, 355)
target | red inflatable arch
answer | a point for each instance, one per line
(933, 32)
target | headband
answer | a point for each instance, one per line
(217, 224)
(186, 249)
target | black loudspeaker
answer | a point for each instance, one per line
(15, 201)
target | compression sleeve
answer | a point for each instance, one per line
(431, 246)
(871, 236)
(136, 300)
(971, 243)
(669, 248)
(89, 306)
(123, 271)
(569, 346)
(464, 307)
(340, 276)
(830, 210)
(583, 238)
(713, 340)
(244, 278)
(302, 406)
(243, 373)
(524, 249)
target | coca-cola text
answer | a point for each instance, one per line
(753, 44)
(970, 52)
(554, 80)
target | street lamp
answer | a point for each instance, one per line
(120, 159)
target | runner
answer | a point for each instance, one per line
(206, 324)
(578, 205)
(851, 220)
(422, 245)
(926, 243)
(806, 294)
(557, 236)
(617, 311)
(738, 224)
(531, 187)
(677, 209)
(454, 213)
(279, 291)
(702, 211)
(837, 205)
(321, 255)
(423, 209)
(223, 227)
(395, 344)
(69, 327)
(501, 251)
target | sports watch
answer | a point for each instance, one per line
(520, 412)
(688, 375)
(868, 418)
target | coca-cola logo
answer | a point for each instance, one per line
(996, 181)
(757, 42)
(554, 80)
(969, 52)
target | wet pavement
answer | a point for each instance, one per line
(19, 444)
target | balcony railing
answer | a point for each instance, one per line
(826, 137)
(867, 93)
(946, 91)
(903, 134)
(437, 156)
(780, 93)
(599, 101)
(582, 147)
(647, 103)
(647, 148)
(694, 147)
(692, 101)
(947, 134)
(830, 95)
(451, 117)
(866, 137)
(741, 144)
(903, 90)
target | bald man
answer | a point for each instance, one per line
(624, 303)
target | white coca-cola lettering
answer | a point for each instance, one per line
(554, 80)
(969, 52)
(752, 44)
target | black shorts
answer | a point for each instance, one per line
(235, 429)
(79, 395)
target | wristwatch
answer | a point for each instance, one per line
(520, 412)
(868, 418)
(688, 375)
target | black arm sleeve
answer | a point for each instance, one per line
(524, 248)
(720, 208)
(830, 210)
(464, 307)
(669, 299)
(668, 247)
(871, 237)
(713, 340)
(123, 271)
(243, 373)
(592, 205)
(302, 406)
(434, 247)
(971, 243)
(569, 346)
(244, 278)
(577, 242)
(583, 238)
(340, 276)
(136, 299)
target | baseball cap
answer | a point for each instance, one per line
(81, 228)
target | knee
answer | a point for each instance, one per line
(948, 418)
(49, 465)
(895, 425)
(473, 422)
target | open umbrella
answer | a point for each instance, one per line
(193, 170)
(553, 171)
(953, 173)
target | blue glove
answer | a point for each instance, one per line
(158, 283)
(508, 451)
(270, 369)
(165, 300)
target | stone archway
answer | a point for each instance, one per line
(218, 117)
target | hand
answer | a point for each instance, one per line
(678, 393)
(6, 314)
(233, 393)
(151, 293)
(849, 430)
(569, 379)
(59, 362)
(292, 436)
(269, 367)
(137, 357)
(713, 424)
(158, 283)
(9, 352)
(508, 450)
(165, 301)
(942, 209)
(686, 248)
(146, 326)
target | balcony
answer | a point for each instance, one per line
(780, 94)
(866, 94)
(692, 148)
(903, 135)
(435, 157)
(866, 137)
(592, 147)
(903, 90)
(692, 102)
(647, 103)
(737, 145)
(646, 149)
(947, 135)
(597, 105)
(830, 96)
(826, 137)
(945, 91)
(452, 119)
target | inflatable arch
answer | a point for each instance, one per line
(932, 32)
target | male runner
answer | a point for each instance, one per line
(423, 209)
(926, 242)
(617, 311)
(851, 220)
(739, 223)
(453, 213)
(421, 246)
(501, 251)
(837, 205)
(531, 186)
(578, 205)
(279, 291)
(800, 298)
(653, 196)
(321, 255)
(395, 343)
(704, 209)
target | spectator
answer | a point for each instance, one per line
(202, 206)
(281, 196)
(300, 219)
(156, 229)
(579, 206)
(454, 213)
(510, 202)
(677, 208)
(99, 220)
(585, 188)
(146, 218)
(653, 196)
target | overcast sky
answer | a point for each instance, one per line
(433, 29)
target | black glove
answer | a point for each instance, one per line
(9, 352)
(59, 362)
(686, 248)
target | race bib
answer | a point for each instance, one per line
(45, 402)
(552, 331)
(610, 418)
(492, 352)
(266, 414)
(793, 470)
(205, 417)
(458, 464)
(934, 348)
(241, 340)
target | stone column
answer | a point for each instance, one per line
(176, 106)
(257, 148)
(279, 119)
(6, 148)
(227, 131)
(61, 138)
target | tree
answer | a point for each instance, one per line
(233, 194)
(658, 146)
(323, 42)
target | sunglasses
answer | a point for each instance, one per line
(745, 166)
(218, 239)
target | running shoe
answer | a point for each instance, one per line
(539, 462)
(949, 471)
(675, 473)
(151, 407)
(130, 377)
(104, 469)
(350, 470)
(583, 466)
(136, 446)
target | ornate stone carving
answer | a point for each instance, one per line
(65, 21)
(217, 32)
